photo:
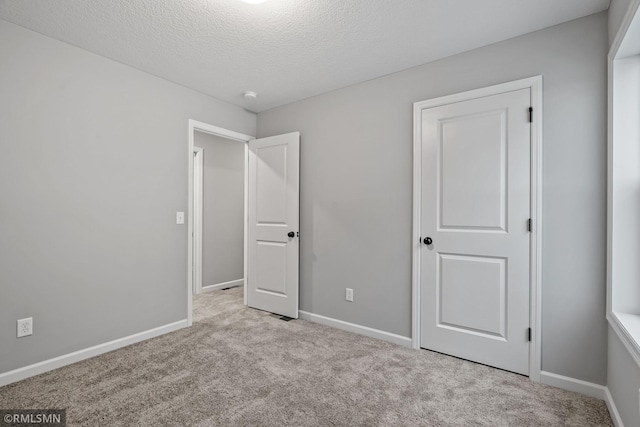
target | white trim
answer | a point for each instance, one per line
(632, 346)
(358, 329)
(584, 387)
(624, 26)
(479, 93)
(624, 336)
(572, 384)
(218, 131)
(212, 130)
(224, 285)
(246, 224)
(535, 250)
(67, 359)
(417, 215)
(610, 178)
(616, 325)
(613, 410)
(535, 265)
(198, 175)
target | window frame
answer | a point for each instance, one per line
(624, 321)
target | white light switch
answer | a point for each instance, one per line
(179, 217)
(349, 294)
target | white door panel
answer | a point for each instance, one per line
(475, 208)
(271, 267)
(473, 174)
(271, 184)
(472, 293)
(273, 215)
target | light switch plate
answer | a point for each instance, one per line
(349, 295)
(179, 217)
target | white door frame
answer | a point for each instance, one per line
(535, 249)
(198, 174)
(234, 136)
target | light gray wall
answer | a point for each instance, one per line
(617, 11)
(623, 381)
(93, 168)
(223, 209)
(356, 187)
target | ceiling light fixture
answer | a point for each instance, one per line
(250, 95)
(254, 1)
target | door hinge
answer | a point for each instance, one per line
(530, 225)
(529, 334)
(530, 114)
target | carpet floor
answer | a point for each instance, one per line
(242, 367)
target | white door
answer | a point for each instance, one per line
(474, 291)
(273, 224)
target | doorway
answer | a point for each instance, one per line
(270, 222)
(218, 212)
(196, 242)
(476, 262)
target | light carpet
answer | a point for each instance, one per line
(238, 366)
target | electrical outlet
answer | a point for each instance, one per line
(349, 295)
(24, 327)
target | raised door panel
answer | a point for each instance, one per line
(472, 294)
(472, 169)
(271, 182)
(271, 267)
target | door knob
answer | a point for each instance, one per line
(428, 241)
(291, 234)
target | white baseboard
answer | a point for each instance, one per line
(572, 384)
(223, 285)
(358, 329)
(613, 411)
(584, 387)
(67, 359)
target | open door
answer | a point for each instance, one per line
(274, 207)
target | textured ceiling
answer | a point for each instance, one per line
(285, 50)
